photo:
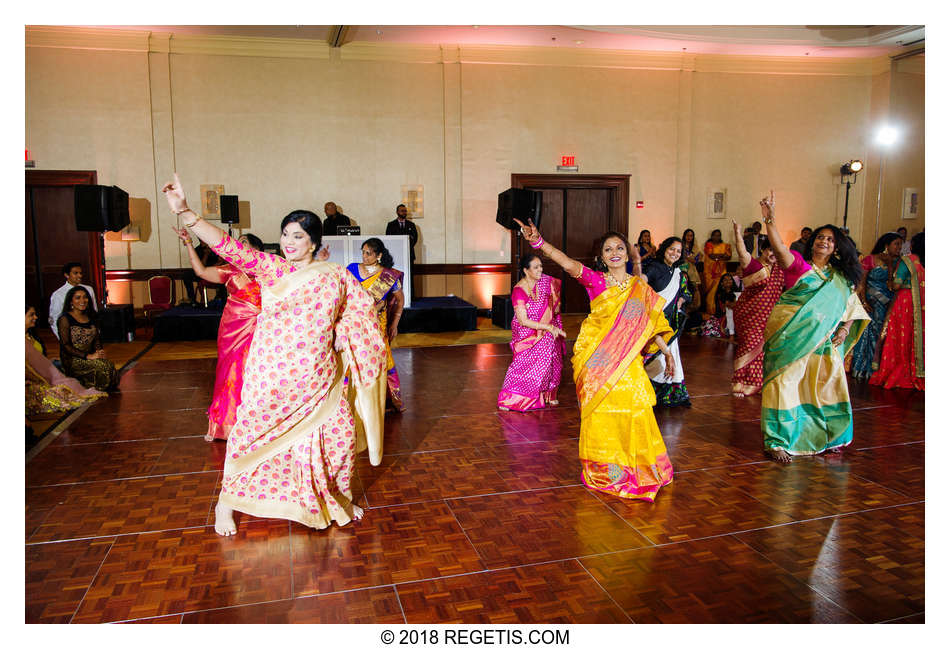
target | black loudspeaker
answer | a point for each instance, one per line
(502, 311)
(229, 208)
(521, 204)
(100, 207)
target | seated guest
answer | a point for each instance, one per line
(80, 346)
(72, 271)
(720, 323)
(47, 390)
(799, 245)
(334, 219)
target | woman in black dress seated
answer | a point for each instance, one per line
(80, 346)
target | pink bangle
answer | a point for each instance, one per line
(537, 244)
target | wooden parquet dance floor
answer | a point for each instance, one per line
(480, 516)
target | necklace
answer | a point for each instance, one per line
(371, 269)
(622, 284)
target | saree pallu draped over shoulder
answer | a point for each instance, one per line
(382, 286)
(621, 450)
(806, 408)
(291, 452)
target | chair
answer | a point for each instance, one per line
(161, 295)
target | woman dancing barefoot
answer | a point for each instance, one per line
(291, 451)
(806, 409)
(621, 450)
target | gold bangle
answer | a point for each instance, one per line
(192, 224)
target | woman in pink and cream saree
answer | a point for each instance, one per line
(621, 450)
(537, 341)
(292, 449)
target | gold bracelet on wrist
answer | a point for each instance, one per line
(182, 211)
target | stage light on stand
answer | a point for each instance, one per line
(848, 171)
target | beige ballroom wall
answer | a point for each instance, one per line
(293, 124)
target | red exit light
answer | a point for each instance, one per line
(567, 161)
(639, 205)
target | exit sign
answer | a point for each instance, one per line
(567, 161)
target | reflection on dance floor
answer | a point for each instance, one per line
(480, 516)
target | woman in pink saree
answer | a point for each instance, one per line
(291, 452)
(234, 333)
(537, 341)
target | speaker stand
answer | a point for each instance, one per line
(104, 298)
(229, 231)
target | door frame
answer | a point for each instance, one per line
(617, 184)
(56, 178)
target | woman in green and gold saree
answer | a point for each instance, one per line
(806, 409)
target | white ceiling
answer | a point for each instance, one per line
(772, 40)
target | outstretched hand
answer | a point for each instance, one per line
(767, 205)
(175, 195)
(183, 235)
(529, 231)
(735, 228)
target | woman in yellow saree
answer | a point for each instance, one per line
(806, 408)
(621, 450)
(384, 284)
(291, 452)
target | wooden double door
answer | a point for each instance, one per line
(53, 240)
(575, 212)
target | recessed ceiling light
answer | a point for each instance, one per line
(379, 32)
(475, 26)
(578, 42)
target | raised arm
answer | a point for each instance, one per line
(175, 195)
(263, 266)
(573, 267)
(744, 257)
(782, 253)
(208, 274)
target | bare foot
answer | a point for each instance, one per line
(357, 513)
(739, 395)
(503, 408)
(779, 455)
(554, 402)
(224, 520)
(836, 450)
(209, 437)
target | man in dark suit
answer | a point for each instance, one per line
(402, 225)
(334, 219)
